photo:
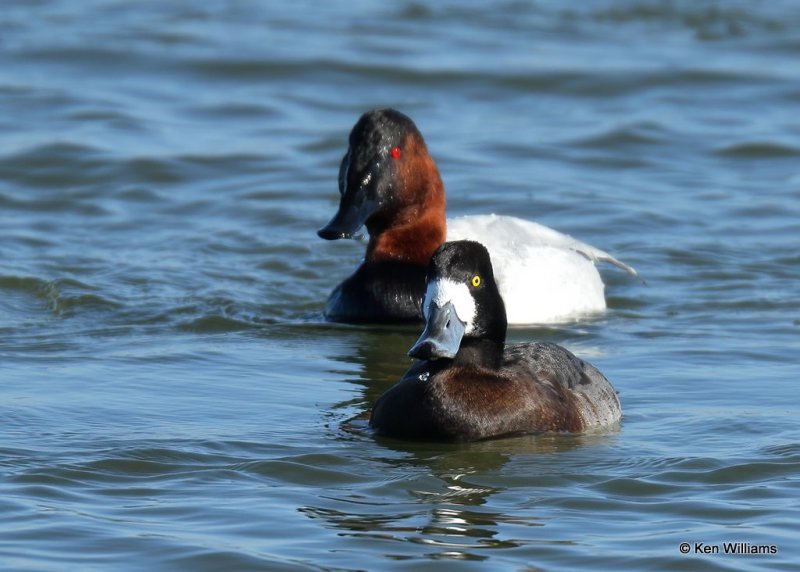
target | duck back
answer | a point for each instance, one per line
(551, 365)
(544, 276)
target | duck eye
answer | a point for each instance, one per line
(476, 281)
(396, 152)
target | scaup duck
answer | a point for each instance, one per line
(389, 183)
(469, 384)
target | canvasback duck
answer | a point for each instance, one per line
(469, 384)
(389, 183)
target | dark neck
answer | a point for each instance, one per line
(482, 352)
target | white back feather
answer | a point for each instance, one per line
(543, 275)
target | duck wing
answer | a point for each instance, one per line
(551, 365)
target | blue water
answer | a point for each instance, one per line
(170, 395)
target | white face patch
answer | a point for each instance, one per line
(442, 291)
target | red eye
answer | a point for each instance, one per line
(396, 152)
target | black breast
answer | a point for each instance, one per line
(379, 292)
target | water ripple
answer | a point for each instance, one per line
(759, 150)
(172, 397)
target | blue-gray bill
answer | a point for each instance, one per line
(442, 335)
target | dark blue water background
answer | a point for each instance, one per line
(170, 397)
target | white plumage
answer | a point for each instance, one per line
(544, 276)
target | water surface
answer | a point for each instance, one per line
(171, 397)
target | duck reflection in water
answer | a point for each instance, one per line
(439, 493)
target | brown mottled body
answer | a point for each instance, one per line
(538, 388)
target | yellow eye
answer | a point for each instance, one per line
(476, 281)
